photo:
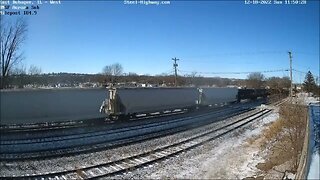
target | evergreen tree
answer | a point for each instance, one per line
(309, 84)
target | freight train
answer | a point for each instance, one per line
(124, 103)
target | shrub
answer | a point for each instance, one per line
(287, 133)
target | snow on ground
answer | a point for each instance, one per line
(230, 157)
(308, 99)
(314, 164)
(237, 159)
(314, 140)
(89, 159)
(314, 167)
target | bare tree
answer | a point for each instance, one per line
(13, 35)
(19, 70)
(192, 81)
(107, 70)
(132, 74)
(113, 71)
(278, 83)
(34, 70)
(17, 77)
(117, 69)
(255, 80)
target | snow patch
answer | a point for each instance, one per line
(314, 167)
(307, 99)
(235, 160)
(229, 157)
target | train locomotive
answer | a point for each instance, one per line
(252, 94)
(124, 103)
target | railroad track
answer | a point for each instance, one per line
(15, 150)
(149, 157)
(132, 162)
(97, 141)
(61, 131)
(278, 103)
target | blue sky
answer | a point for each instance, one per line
(207, 36)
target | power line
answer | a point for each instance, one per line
(300, 71)
(307, 53)
(238, 53)
(246, 72)
(304, 72)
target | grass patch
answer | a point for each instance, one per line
(284, 137)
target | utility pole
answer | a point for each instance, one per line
(290, 58)
(175, 65)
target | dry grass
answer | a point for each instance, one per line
(255, 140)
(252, 140)
(285, 137)
(273, 130)
(80, 173)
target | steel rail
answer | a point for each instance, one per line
(101, 132)
(93, 147)
(6, 137)
(132, 162)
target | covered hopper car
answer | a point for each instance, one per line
(126, 102)
(211, 96)
(130, 101)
